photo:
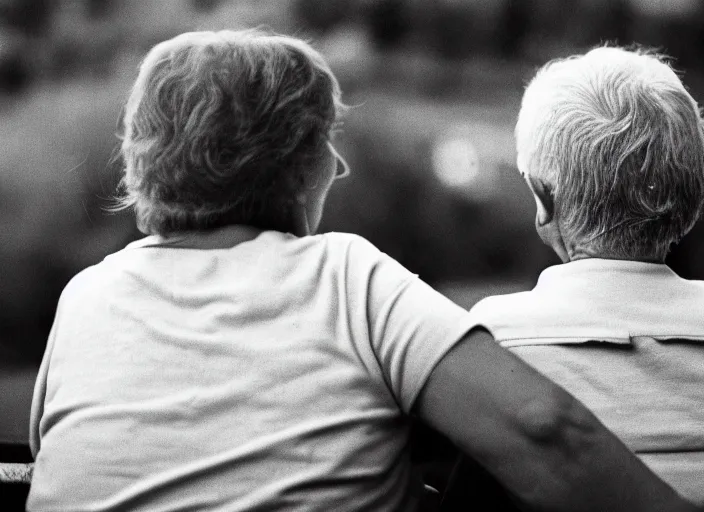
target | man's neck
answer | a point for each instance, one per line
(577, 252)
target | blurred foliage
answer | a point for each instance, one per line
(412, 69)
(322, 16)
(388, 23)
(33, 17)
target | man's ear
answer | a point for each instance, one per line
(544, 200)
(546, 222)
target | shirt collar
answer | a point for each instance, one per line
(601, 300)
(608, 274)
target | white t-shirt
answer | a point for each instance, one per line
(273, 375)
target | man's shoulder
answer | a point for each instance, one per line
(694, 286)
(517, 315)
(504, 304)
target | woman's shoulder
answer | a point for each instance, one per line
(87, 282)
(347, 239)
(355, 249)
(354, 242)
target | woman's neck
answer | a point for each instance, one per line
(219, 238)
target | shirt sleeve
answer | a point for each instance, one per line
(411, 326)
(40, 385)
(37, 408)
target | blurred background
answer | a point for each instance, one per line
(435, 85)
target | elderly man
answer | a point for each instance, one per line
(611, 146)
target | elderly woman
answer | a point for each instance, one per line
(611, 145)
(231, 360)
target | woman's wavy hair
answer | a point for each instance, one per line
(620, 140)
(221, 127)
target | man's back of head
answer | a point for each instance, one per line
(612, 145)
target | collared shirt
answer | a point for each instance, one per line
(627, 339)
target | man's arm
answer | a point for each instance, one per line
(533, 436)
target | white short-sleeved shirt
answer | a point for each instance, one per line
(627, 339)
(272, 375)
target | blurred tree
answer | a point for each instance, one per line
(22, 23)
(205, 5)
(514, 25)
(32, 17)
(27, 306)
(615, 22)
(322, 15)
(15, 74)
(97, 9)
(65, 59)
(388, 22)
(451, 29)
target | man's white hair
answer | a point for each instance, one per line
(620, 141)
